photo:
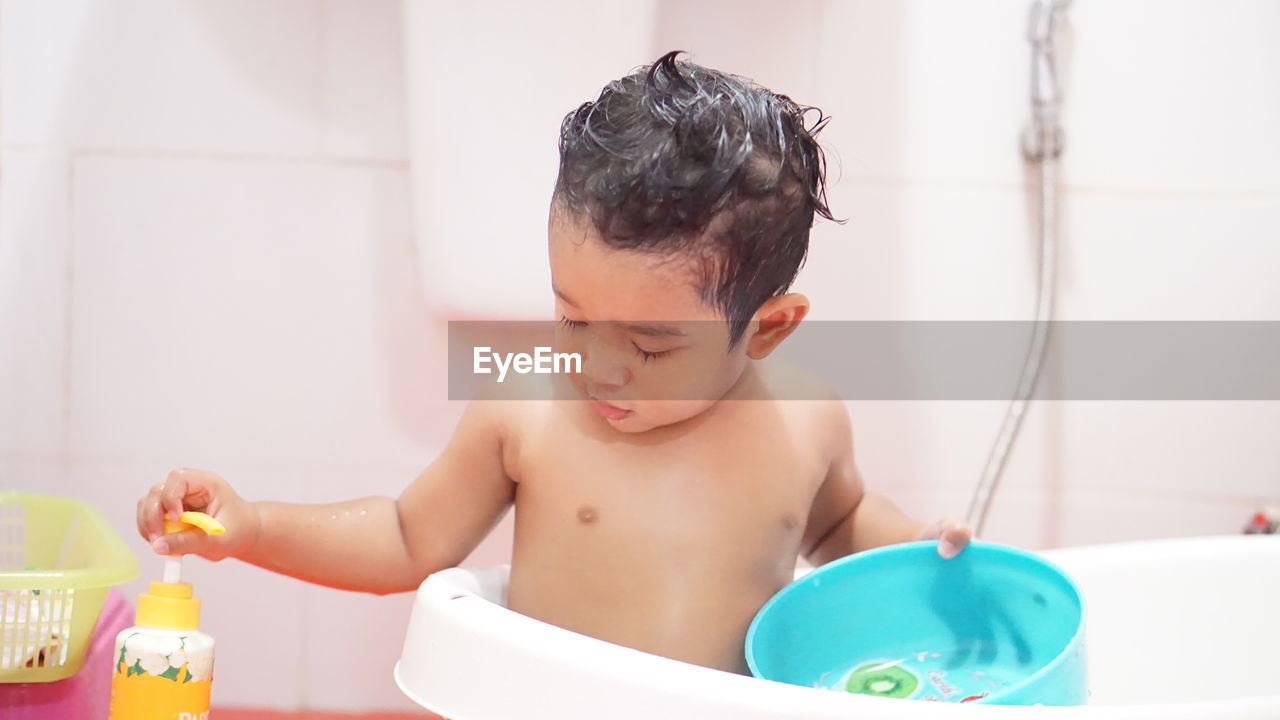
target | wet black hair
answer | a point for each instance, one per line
(676, 158)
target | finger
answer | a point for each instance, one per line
(957, 534)
(151, 514)
(141, 518)
(173, 491)
(179, 543)
(947, 549)
(953, 540)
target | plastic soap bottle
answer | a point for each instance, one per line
(164, 664)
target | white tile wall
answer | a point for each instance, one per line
(835, 275)
(1113, 515)
(1191, 450)
(363, 92)
(45, 475)
(38, 58)
(729, 35)
(203, 221)
(1171, 468)
(33, 303)
(350, 647)
(925, 90)
(967, 253)
(352, 640)
(1156, 94)
(293, 78)
(1170, 255)
(208, 75)
(244, 291)
(488, 87)
(257, 619)
(1174, 94)
(227, 183)
(930, 457)
(1041, 518)
(862, 72)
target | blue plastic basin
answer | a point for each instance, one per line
(995, 624)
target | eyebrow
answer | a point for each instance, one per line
(655, 330)
(562, 296)
(637, 328)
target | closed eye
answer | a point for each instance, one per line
(571, 324)
(647, 355)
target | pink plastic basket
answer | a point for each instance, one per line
(58, 559)
(83, 696)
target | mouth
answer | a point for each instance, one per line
(612, 412)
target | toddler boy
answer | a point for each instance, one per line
(663, 493)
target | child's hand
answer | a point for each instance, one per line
(951, 533)
(207, 492)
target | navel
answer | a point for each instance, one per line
(587, 514)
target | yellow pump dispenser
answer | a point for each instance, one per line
(170, 604)
(164, 664)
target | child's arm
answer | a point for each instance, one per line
(846, 518)
(373, 544)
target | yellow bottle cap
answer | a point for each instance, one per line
(171, 605)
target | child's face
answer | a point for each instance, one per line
(652, 352)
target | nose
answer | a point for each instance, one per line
(603, 366)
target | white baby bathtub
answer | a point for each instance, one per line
(1178, 629)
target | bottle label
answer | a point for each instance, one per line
(161, 676)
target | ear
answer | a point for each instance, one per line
(777, 318)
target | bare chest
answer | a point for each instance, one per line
(730, 499)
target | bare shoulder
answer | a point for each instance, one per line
(809, 399)
(785, 381)
(515, 401)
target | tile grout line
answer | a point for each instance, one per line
(91, 152)
(1029, 495)
(322, 159)
(410, 468)
(3, 94)
(68, 239)
(1169, 191)
(319, 96)
(321, 140)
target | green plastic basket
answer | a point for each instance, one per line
(58, 559)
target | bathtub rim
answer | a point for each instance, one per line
(476, 587)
